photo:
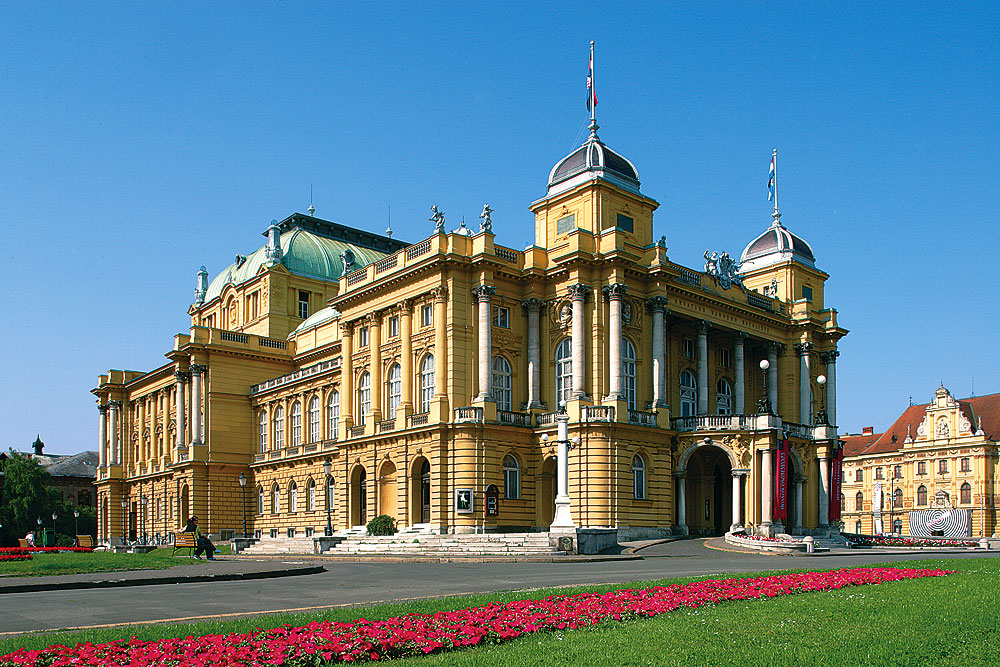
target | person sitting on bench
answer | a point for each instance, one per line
(204, 544)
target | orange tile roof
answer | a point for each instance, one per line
(855, 444)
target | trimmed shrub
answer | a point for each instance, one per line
(382, 525)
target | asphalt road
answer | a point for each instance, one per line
(352, 583)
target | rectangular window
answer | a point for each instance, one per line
(807, 293)
(501, 317)
(897, 472)
(943, 466)
(724, 359)
(921, 467)
(426, 315)
(566, 224)
(965, 467)
(393, 326)
(625, 223)
(878, 473)
(363, 337)
(303, 304)
(689, 348)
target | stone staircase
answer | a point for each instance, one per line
(435, 545)
(271, 546)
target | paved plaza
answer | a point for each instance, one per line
(346, 583)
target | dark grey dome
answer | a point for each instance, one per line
(775, 245)
(593, 160)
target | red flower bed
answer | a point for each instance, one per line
(9, 557)
(43, 550)
(884, 541)
(416, 634)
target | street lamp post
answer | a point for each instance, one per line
(764, 404)
(53, 528)
(821, 417)
(124, 530)
(145, 505)
(327, 467)
(563, 517)
(76, 522)
(39, 536)
(243, 492)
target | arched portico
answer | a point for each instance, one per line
(709, 489)
(420, 491)
(359, 496)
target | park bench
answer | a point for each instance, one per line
(23, 543)
(184, 541)
(85, 541)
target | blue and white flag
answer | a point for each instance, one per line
(770, 181)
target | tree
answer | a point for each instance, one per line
(26, 495)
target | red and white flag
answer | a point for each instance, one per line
(591, 89)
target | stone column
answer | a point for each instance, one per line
(563, 518)
(484, 297)
(114, 455)
(805, 383)
(440, 342)
(739, 369)
(766, 490)
(180, 378)
(579, 294)
(102, 436)
(375, 364)
(799, 482)
(830, 359)
(406, 357)
(657, 306)
(681, 519)
(346, 378)
(532, 308)
(703, 326)
(614, 293)
(196, 401)
(738, 476)
(772, 376)
(824, 491)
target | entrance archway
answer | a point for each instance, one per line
(387, 502)
(420, 491)
(709, 491)
(359, 496)
(546, 497)
(185, 508)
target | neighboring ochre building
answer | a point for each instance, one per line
(932, 473)
(426, 374)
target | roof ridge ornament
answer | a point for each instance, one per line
(592, 97)
(772, 187)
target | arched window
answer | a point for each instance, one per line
(279, 427)
(857, 527)
(330, 493)
(859, 476)
(723, 397)
(262, 431)
(628, 372)
(564, 371)
(922, 495)
(897, 526)
(859, 502)
(314, 419)
(311, 495)
(897, 498)
(638, 477)
(296, 424)
(332, 414)
(260, 500)
(689, 394)
(293, 498)
(426, 383)
(275, 499)
(511, 478)
(395, 390)
(501, 384)
(364, 397)
(965, 493)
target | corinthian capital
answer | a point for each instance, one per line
(483, 293)
(704, 326)
(802, 349)
(532, 304)
(829, 357)
(615, 291)
(197, 369)
(657, 304)
(181, 376)
(579, 292)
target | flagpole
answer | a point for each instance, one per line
(774, 157)
(593, 88)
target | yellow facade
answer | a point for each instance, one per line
(406, 336)
(936, 456)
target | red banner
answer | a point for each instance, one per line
(836, 477)
(781, 482)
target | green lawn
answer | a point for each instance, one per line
(935, 621)
(46, 564)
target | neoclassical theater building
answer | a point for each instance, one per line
(428, 376)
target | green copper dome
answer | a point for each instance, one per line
(303, 252)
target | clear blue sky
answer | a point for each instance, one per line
(141, 141)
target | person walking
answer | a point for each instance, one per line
(203, 543)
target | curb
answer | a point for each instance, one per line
(666, 540)
(461, 559)
(154, 581)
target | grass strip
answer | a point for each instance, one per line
(51, 564)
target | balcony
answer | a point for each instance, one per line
(468, 415)
(513, 418)
(713, 423)
(598, 413)
(642, 418)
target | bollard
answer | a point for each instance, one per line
(810, 544)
